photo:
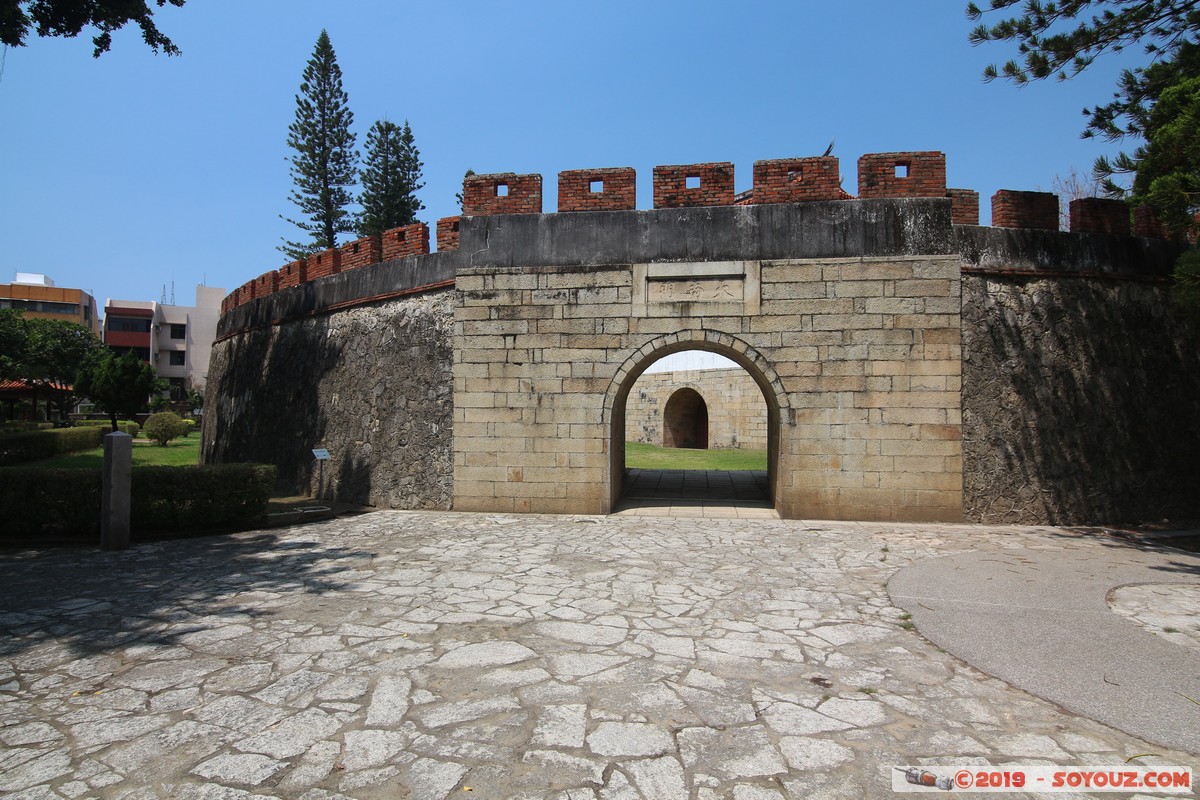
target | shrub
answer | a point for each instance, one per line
(55, 504)
(189, 426)
(18, 448)
(165, 426)
(206, 497)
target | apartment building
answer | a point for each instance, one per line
(37, 296)
(175, 340)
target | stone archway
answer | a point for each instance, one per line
(685, 420)
(733, 348)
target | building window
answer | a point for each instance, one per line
(117, 324)
(176, 358)
(141, 352)
(41, 306)
(178, 331)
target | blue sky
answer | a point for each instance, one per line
(122, 174)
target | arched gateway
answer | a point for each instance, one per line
(723, 344)
(493, 374)
(853, 340)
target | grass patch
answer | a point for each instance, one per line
(183, 452)
(648, 456)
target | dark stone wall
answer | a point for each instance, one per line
(371, 383)
(1081, 402)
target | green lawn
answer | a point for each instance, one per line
(178, 453)
(648, 456)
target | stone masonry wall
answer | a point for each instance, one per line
(1079, 402)
(737, 413)
(861, 355)
(372, 384)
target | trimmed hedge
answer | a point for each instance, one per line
(206, 497)
(56, 504)
(21, 447)
(20, 426)
(123, 425)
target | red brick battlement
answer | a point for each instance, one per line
(1032, 210)
(797, 180)
(502, 193)
(782, 180)
(886, 175)
(691, 185)
(611, 189)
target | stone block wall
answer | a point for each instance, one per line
(737, 412)
(862, 354)
(372, 384)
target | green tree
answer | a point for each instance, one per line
(1187, 281)
(55, 350)
(325, 161)
(164, 426)
(69, 17)
(119, 385)
(1062, 39)
(459, 195)
(390, 179)
(13, 338)
(1168, 173)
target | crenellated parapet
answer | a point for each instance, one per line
(816, 179)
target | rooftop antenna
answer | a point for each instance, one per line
(172, 292)
(164, 295)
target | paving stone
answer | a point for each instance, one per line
(433, 780)
(629, 739)
(561, 726)
(803, 753)
(528, 657)
(733, 754)
(485, 654)
(389, 700)
(243, 769)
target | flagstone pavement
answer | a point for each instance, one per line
(436, 655)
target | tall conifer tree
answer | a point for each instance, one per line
(325, 162)
(391, 176)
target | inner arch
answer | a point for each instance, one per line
(685, 420)
(733, 348)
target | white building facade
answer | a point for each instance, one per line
(180, 337)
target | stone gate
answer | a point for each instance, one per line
(913, 364)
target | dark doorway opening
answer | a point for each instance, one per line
(685, 420)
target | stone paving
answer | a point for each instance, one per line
(442, 655)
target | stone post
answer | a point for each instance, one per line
(115, 489)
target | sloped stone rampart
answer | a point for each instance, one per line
(1079, 402)
(372, 384)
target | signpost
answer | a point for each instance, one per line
(321, 455)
